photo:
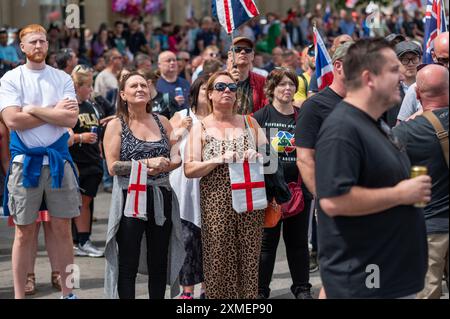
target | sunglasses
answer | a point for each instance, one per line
(443, 61)
(82, 68)
(421, 66)
(181, 59)
(221, 86)
(245, 49)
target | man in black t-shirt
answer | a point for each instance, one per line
(372, 240)
(311, 116)
(424, 149)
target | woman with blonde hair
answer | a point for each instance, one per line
(231, 241)
(85, 152)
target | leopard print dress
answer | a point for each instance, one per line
(231, 241)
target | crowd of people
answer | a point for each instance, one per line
(186, 101)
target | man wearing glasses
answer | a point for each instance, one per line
(411, 105)
(410, 55)
(250, 85)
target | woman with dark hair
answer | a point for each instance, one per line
(137, 134)
(231, 241)
(278, 119)
(188, 191)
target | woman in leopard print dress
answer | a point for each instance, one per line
(231, 241)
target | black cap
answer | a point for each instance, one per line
(394, 36)
(407, 47)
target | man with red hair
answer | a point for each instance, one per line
(38, 103)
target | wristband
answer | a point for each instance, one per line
(81, 139)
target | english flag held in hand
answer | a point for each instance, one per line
(234, 13)
(324, 66)
(136, 203)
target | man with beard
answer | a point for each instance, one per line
(38, 103)
(372, 240)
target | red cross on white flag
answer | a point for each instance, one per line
(247, 187)
(136, 203)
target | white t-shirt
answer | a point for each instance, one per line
(410, 104)
(104, 82)
(22, 86)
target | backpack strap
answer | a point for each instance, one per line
(441, 134)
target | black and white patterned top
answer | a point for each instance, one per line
(134, 148)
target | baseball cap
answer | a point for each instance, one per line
(341, 51)
(407, 47)
(394, 36)
(243, 39)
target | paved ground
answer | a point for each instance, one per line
(92, 269)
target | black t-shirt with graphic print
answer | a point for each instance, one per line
(86, 156)
(280, 134)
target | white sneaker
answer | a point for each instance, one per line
(88, 249)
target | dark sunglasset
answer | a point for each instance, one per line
(83, 68)
(443, 61)
(221, 86)
(245, 49)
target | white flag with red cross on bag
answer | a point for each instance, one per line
(136, 203)
(248, 188)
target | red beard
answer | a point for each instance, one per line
(37, 57)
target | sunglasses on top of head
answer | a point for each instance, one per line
(221, 86)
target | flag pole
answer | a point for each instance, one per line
(232, 49)
(444, 16)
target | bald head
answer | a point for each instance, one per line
(441, 45)
(432, 86)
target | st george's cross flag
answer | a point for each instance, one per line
(136, 203)
(234, 13)
(248, 189)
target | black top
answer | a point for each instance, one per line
(134, 148)
(354, 150)
(424, 149)
(312, 114)
(280, 134)
(165, 105)
(135, 41)
(87, 156)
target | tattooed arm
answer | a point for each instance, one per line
(111, 142)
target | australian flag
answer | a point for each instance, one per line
(435, 24)
(234, 13)
(324, 67)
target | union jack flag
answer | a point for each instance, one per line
(324, 66)
(435, 24)
(234, 13)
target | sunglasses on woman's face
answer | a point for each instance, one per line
(221, 86)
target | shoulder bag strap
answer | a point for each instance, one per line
(250, 127)
(441, 134)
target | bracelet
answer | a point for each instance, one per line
(81, 139)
